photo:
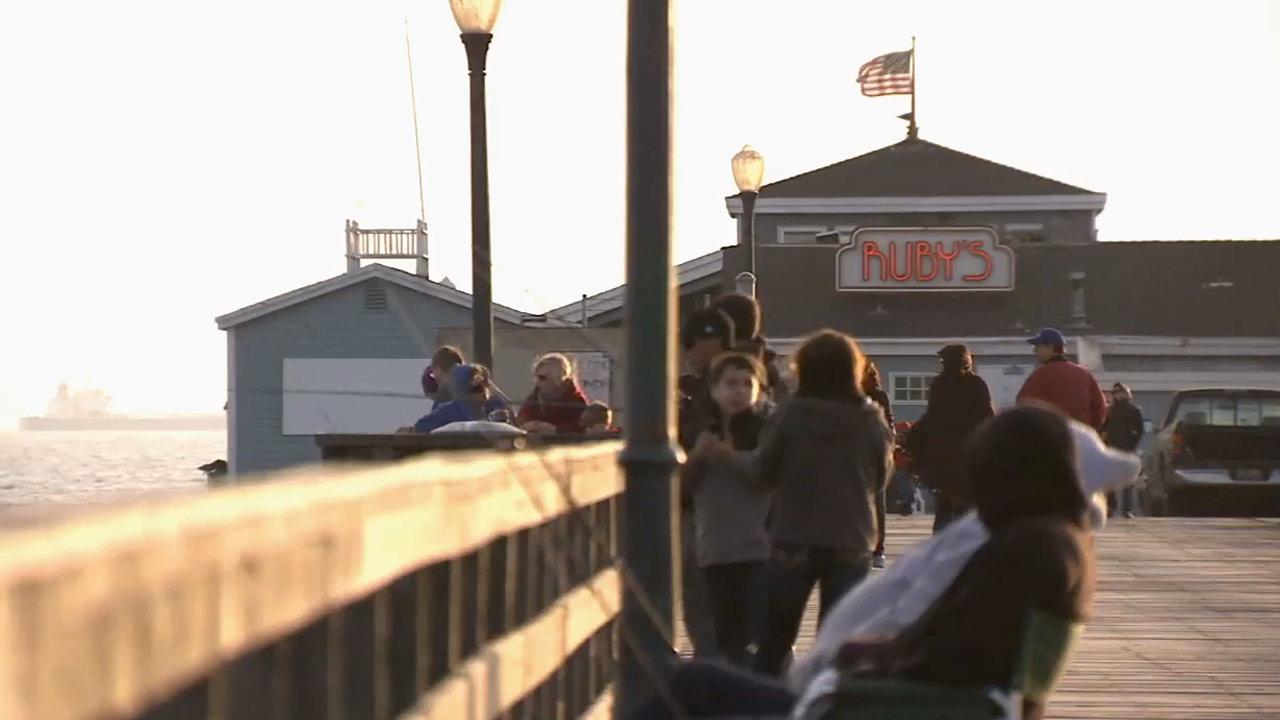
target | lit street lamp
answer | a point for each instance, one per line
(475, 19)
(748, 172)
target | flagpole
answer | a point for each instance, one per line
(913, 129)
(417, 145)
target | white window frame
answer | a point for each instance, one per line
(845, 232)
(926, 377)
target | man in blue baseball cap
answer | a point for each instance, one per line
(1060, 382)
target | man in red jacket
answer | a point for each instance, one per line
(1060, 382)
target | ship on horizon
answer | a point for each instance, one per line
(85, 410)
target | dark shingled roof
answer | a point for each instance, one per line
(916, 168)
(1167, 288)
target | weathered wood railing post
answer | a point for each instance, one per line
(650, 458)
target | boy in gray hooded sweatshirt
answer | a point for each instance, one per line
(825, 453)
(729, 502)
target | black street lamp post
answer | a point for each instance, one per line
(748, 171)
(476, 19)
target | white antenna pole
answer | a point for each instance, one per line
(417, 144)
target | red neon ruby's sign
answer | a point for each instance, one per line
(906, 259)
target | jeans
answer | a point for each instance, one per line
(792, 574)
(707, 689)
(696, 606)
(732, 589)
(1122, 500)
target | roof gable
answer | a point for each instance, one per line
(916, 168)
(368, 272)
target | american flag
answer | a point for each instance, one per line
(887, 75)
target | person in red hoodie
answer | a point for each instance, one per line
(1060, 382)
(556, 403)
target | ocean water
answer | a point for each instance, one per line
(50, 470)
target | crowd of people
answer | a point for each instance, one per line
(787, 487)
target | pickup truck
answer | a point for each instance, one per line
(1218, 453)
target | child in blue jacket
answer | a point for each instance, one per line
(475, 400)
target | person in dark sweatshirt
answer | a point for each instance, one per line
(748, 326)
(705, 335)
(825, 452)
(1123, 430)
(1030, 585)
(730, 504)
(875, 392)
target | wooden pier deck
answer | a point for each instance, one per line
(1186, 621)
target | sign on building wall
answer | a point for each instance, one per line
(595, 373)
(915, 259)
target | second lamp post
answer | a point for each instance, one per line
(476, 19)
(748, 171)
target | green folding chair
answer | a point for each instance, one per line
(1046, 645)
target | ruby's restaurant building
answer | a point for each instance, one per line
(915, 245)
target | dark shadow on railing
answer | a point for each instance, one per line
(457, 585)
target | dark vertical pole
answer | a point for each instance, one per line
(748, 229)
(649, 458)
(477, 45)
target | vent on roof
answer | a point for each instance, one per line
(375, 298)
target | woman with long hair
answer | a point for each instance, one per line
(875, 392)
(826, 453)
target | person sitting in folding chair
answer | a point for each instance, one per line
(977, 622)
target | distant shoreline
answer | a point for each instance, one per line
(140, 423)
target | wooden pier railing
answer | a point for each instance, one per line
(459, 585)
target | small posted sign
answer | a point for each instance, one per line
(594, 370)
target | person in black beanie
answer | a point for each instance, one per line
(705, 335)
(748, 324)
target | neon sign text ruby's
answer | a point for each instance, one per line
(912, 259)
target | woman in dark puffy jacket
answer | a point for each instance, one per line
(959, 401)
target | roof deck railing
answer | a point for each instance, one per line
(386, 244)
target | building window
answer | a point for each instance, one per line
(787, 236)
(814, 235)
(910, 388)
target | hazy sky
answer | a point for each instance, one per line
(165, 162)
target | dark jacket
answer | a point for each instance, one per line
(1065, 384)
(695, 411)
(1124, 427)
(959, 401)
(825, 459)
(565, 412)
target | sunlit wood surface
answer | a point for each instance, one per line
(1186, 621)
